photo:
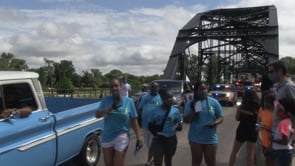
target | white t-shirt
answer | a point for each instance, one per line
(125, 89)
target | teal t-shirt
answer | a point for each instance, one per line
(198, 132)
(147, 104)
(117, 120)
(173, 119)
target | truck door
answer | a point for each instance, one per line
(27, 140)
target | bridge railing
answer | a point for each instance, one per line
(77, 93)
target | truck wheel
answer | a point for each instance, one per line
(90, 153)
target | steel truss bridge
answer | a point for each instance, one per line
(241, 39)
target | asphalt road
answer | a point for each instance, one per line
(183, 156)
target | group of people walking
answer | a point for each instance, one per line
(161, 121)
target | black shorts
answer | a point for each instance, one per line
(164, 146)
(246, 133)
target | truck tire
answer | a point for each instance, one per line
(90, 153)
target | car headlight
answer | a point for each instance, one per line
(174, 98)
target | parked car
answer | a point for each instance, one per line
(57, 130)
(225, 94)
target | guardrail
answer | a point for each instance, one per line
(78, 93)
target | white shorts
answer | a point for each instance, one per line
(148, 138)
(120, 143)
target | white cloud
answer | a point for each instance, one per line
(138, 41)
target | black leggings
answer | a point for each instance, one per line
(164, 147)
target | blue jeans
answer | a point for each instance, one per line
(283, 157)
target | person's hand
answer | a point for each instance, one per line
(101, 113)
(6, 113)
(211, 124)
(139, 144)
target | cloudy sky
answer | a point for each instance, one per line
(134, 36)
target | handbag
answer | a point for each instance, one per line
(155, 128)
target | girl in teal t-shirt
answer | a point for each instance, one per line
(165, 141)
(117, 111)
(203, 113)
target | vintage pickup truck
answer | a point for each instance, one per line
(57, 130)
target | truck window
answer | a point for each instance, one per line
(18, 96)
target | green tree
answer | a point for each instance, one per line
(87, 80)
(42, 71)
(191, 66)
(64, 69)
(64, 72)
(290, 64)
(49, 72)
(114, 74)
(65, 86)
(9, 62)
(76, 79)
(134, 82)
(210, 70)
(98, 77)
(93, 78)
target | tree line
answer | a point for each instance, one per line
(62, 76)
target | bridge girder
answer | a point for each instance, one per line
(246, 37)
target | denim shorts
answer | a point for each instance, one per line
(283, 157)
(268, 153)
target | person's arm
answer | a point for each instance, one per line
(19, 112)
(189, 112)
(136, 128)
(238, 113)
(101, 113)
(259, 117)
(134, 121)
(177, 124)
(242, 111)
(218, 114)
(129, 89)
(140, 105)
(24, 111)
(5, 113)
(218, 121)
